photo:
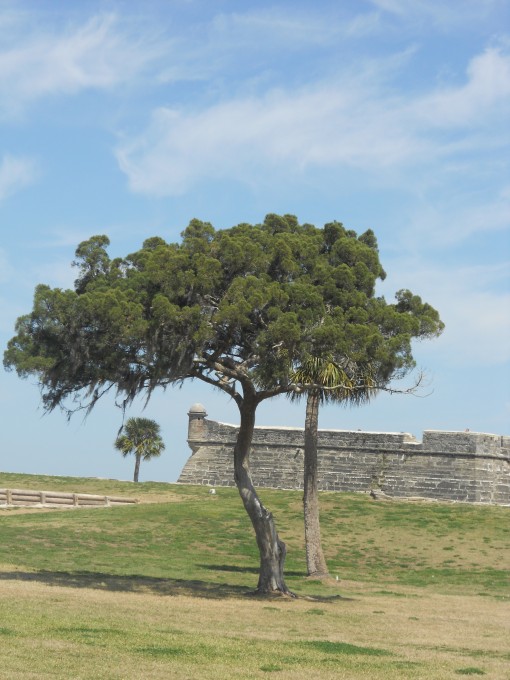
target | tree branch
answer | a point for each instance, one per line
(219, 384)
(303, 387)
(267, 394)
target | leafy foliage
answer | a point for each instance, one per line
(253, 303)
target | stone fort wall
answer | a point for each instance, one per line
(451, 466)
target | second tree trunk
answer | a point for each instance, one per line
(315, 560)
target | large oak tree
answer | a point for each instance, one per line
(240, 309)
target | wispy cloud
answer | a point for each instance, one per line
(440, 14)
(15, 174)
(238, 50)
(99, 54)
(277, 28)
(485, 94)
(440, 222)
(356, 120)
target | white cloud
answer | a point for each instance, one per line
(99, 54)
(15, 174)
(319, 126)
(351, 121)
(486, 91)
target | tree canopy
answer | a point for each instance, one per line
(239, 308)
(263, 298)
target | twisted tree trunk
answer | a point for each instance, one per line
(271, 549)
(315, 560)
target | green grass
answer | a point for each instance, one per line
(198, 536)
(344, 648)
(161, 589)
(472, 670)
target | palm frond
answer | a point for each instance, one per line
(141, 436)
(351, 383)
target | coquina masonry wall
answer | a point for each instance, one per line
(453, 466)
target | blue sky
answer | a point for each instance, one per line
(130, 119)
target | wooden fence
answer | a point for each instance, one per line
(56, 499)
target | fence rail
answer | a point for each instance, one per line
(22, 497)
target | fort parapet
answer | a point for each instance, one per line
(452, 466)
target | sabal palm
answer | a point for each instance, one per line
(323, 379)
(142, 438)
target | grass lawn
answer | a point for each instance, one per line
(163, 589)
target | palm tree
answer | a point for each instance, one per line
(141, 437)
(323, 380)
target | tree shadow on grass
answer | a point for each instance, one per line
(129, 584)
(145, 584)
(244, 570)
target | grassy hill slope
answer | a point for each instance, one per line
(165, 585)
